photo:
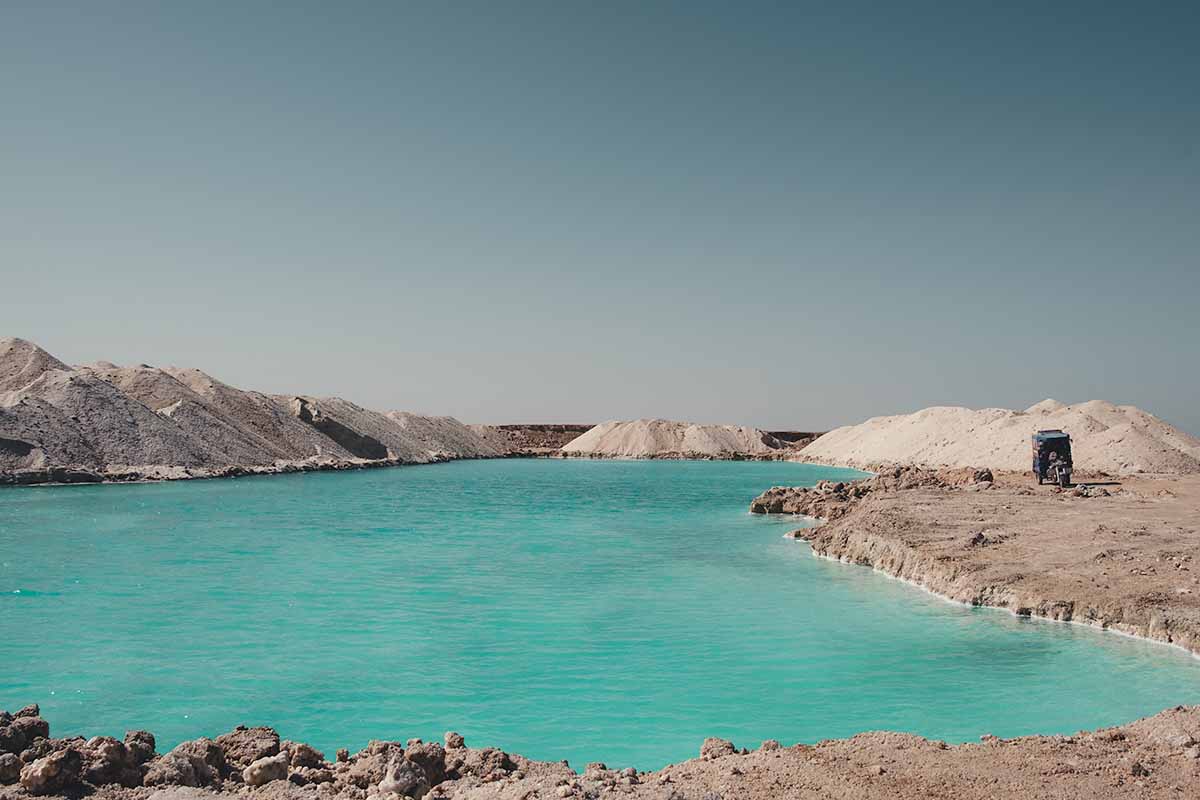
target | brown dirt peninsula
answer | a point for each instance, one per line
(1123, 555)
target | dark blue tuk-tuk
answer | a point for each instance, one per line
(1052, 457)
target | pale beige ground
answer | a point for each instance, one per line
(1120, 440)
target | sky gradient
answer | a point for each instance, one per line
(793, 215)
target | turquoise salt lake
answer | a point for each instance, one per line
(615, 611)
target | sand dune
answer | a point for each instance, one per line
(650, 438)
(1119, 440)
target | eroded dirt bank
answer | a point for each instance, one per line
(1121, 554)
(1157, 757)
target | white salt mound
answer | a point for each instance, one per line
(1119, 440)
(644, 438)
(103, 417)
(21, 362)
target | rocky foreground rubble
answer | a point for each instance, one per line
(671, 439)
(1157, 757)
(243, 759)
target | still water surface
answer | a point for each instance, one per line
(590, 610)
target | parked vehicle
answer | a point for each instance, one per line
(1052, 457)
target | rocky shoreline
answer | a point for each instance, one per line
(1117, 557)
(1155, 757)
(34, 763)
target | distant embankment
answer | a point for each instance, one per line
(530, 440)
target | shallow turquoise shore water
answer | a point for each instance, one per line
(588, 610)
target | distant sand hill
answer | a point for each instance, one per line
(108, 418)
(658, 438)
(1119, 440)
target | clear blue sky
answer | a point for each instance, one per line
(783, 214)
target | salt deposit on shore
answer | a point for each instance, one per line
(659, 438)
(1118, 440)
